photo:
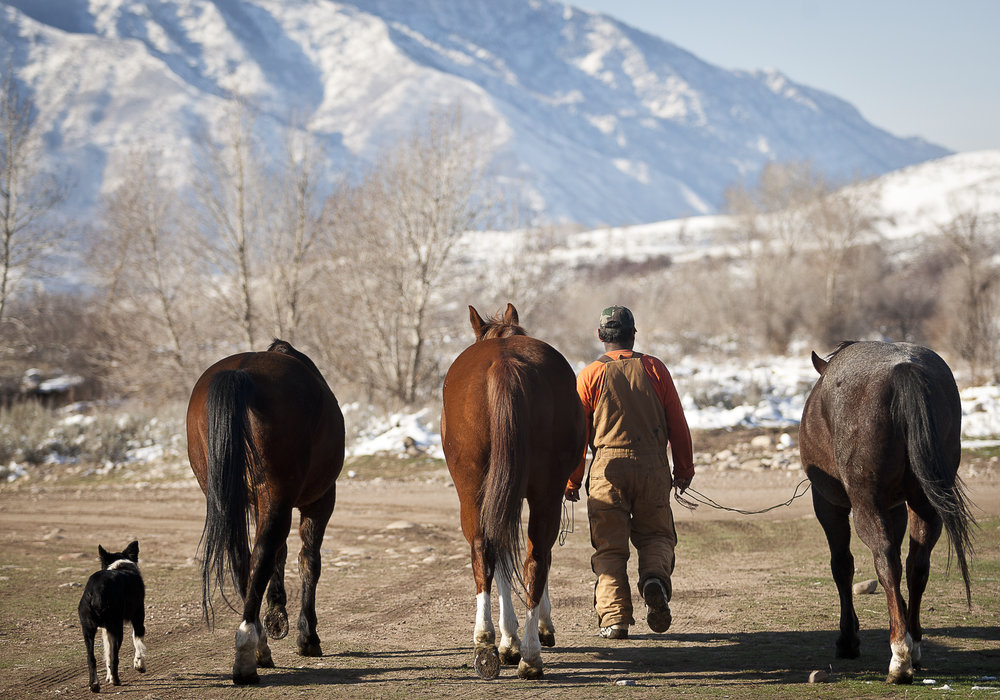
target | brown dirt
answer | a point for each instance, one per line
(754, 606)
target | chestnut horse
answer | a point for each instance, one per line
(512, 428)
(880, 436)
(265, 434)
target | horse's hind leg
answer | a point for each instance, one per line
(251, 642)
(546, 630)
(510, 644)
(925, 529)
(312, 526)
(543, 528)
(837, 527)
(275, 614)
(883, 533)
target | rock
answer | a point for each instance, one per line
(625, 681)
(762, 442)
(818, 676)
(865, 587)
(753, 465)
(401, 525)
(74, 555)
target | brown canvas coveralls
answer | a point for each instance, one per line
(629, 489)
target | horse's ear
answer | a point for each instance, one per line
(819, 363)
(510, 316)
(477, 321)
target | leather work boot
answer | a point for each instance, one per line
(657, 609)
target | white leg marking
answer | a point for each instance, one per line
(246, 649)
(531, 648)
(901, 664)
(509, 643)
(107, 653)
(139, 662)
(915, 653)
(484, 632)
(545, 612)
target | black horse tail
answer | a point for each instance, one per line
(916, 410)
(504, 487)
(230, 511)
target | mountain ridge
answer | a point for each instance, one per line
(599, 122)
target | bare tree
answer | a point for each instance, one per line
(973, 239)
(233, 198)
(773, 219)
(397, 231)
(150, 279)
(295, 233)
(28, 195)
(810, 248)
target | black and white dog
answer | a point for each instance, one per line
(114, 595)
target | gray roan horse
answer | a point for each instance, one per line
(880, 436)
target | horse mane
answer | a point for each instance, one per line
(496, 327)
(843, 344)
(285, 348)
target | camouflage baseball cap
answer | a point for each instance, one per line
(617, 317)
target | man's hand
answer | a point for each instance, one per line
(681, 484)
(572, 494)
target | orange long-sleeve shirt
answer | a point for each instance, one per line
(588, 386)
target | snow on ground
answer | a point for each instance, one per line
(766, 393)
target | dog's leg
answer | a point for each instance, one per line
(106, 643)
(89, 632)
(114, 636)
(138, 634)
(139, 662)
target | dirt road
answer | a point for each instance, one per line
(754, 607)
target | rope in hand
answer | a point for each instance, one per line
(702, 498)
(567, 522)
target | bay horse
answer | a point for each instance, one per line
(512, 428)
(265, 434)
(880, 436)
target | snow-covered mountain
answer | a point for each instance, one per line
(599, 122)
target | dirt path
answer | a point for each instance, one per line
(754, 608)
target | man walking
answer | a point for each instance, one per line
(633, 413)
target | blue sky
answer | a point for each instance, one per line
(928, 68)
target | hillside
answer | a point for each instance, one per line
(597, 122)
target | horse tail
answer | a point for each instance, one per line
(504, 487)
(931, 460)
(230, 511)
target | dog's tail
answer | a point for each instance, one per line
(230, 511)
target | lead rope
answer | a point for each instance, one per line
(567, 522)
(702, 498)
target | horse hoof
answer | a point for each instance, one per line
(310, 649)
(95, 687)
(245, 678)
(899, 678)
(487, 662)
(276, 624)
(529, 672)
(265, 661)
(848, 651)
(510, 656)
(547, 639)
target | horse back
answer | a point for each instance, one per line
(296, 420)
(855, 411)
(553, 411)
